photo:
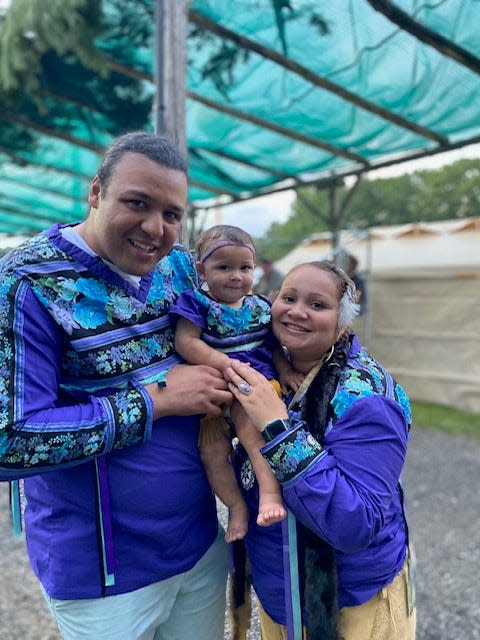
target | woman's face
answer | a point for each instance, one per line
(305, 313)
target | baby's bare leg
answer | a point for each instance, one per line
(271, 508)
(222, 479)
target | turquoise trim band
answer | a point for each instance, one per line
(15, 508)
(108, 576)
(294, 578)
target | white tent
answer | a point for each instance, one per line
(448, 244)
(423, 316)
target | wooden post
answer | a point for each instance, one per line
(171, 21)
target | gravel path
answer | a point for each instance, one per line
(442, 478)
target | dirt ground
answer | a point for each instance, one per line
(441, 478)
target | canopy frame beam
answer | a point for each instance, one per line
(315, 79)
(283, 131)
(248, 163)
(53, 133)
(435, 40)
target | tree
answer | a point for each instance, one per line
(450, 192)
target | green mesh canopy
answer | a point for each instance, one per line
(279, 94)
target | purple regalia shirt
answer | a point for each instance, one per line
(244, 333)
(83, 345)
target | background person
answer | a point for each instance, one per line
(358, 280)
(121, 525)
(270, 281)
(338, 452)
(226, 321)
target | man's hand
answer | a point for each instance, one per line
(190, 389)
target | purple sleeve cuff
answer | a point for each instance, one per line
(289, 454)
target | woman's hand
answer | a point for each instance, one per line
(258, 397)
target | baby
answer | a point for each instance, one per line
(221, 321)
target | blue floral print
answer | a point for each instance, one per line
(109, 341)
(225, 321)
(361, 378)
(292, 454)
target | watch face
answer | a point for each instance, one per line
(275, 428)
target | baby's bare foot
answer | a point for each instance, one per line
(237, 522)
(270, 510)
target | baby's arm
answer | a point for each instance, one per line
(194, 350)
(290, 379)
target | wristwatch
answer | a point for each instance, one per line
(275, 428)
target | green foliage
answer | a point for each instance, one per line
(309, 215)
(219, 67)
(50, 50)
(385, 201)
(450, 192)
(14, 139)
(113, 106)
(130, 23)
(320, 23)
(278, 7)
(453, 192)
(33, 27)
(435, 416)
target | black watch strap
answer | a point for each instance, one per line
(275, 428)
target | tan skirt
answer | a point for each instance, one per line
(383, 617)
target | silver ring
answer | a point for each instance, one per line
(244, 387)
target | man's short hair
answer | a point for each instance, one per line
(155, 147)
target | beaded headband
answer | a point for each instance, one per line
(224, 243)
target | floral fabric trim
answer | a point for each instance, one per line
(364, 376)
(223, 320)
(110, 341)
(128, 424)
(289, 455)
(132, 418)
(113, 335)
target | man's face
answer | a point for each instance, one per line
(134, 222)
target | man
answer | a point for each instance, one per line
(121, 525)
(269, 283)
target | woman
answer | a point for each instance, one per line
(338, 451)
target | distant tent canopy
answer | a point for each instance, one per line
(398, 249)
(279, 94)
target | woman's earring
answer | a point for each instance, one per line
(332, 349)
